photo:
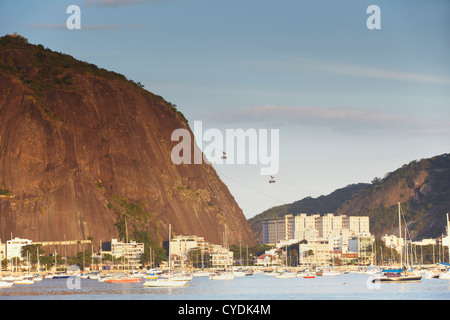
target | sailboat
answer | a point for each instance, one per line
(445, 274)
(4, 284)
(286, 274)
(397, 275)
(168, 281)
(223, 275)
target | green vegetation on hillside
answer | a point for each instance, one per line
(320, 205)
(132, 217)
(424, 212)
(56, 70)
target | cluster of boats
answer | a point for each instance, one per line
(407, 275)
(157, 278)
(10, 280)
(306, 274)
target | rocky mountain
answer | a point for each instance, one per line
(86, 154)
(422, 187)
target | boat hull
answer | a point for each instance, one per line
(221, 277)
(163, 283)
(126, 280)
(398, 279)
(4, 284)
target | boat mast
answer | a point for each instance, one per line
(170, 226)
(448, 237)
(400, 233)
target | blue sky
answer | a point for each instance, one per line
(350, 103)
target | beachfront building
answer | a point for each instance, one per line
(14, 247)
(181, 245)
(272, 257)
(130, 251)
(314, 253)
(2, 250)
(424, 242)
(221, 258)
(394, 242)
(362, 244)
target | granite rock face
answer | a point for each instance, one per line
(82, 148)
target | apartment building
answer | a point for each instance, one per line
(329, 224)
(278, 229)
(314, 253)
(393, 242)
(131, 251)
(303, 226)
(14, 247)
(356, 224)
(181, 244)
(362, 244)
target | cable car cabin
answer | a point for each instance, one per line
(224, 156)
(272, 179)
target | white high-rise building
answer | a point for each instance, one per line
(274, 230)
(357, 224)
(303, 226)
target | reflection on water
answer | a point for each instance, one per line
(257, 287)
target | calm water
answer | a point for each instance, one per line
(256, 287)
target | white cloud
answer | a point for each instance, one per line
(115, 3)
(83, 27)
(359, 71)
(342, 119)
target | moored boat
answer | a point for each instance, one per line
(161, 283)
(6, 284)
(285, 275)
(123, 280)
(201, 274)
(397, 277)
(221, 276)
(24, 280)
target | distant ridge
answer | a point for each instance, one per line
(323, 204)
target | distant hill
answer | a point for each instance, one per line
(422, 187)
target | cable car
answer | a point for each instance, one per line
(224, 156)
(272, 179)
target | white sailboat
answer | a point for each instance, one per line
(330, 273)
(201, 273)
(286, 275)
(168, 281)
(223, 275)
(397, 275)
(4, 284)
(24, 280)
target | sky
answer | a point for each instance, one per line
(350, 103)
